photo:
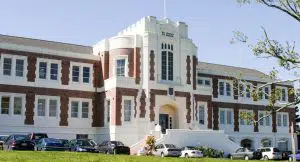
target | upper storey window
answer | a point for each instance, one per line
(167, 62)
(121, 67)
(81, 73)
(225, 88)
(12, 65)
(48, 69)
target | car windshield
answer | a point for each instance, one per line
(3, 138)
(21, 137)
(276, 150)
(170, 146)
(39, 136)
(52, 140)
(117, 143)
(84, 143)
(64, 141)
(190, 148)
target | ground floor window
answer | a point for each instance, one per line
(82, 136)
(246, 143)
(266, 143)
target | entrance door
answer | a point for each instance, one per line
(164, 122)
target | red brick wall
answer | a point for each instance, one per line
(188, 70)
(152, 63)
(137, 65)
(195, 63)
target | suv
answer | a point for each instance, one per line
(35, 137)
(167, 150)
(270, 153)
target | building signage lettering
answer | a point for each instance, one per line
(167, 34)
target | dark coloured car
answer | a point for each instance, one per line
(257, 155)
(66, 143)
(242, 153)
(297, 156)
(113, 147)
(50, 144)
(82, 145)
(285, 155)
(2, 140)
(35, 137)
(18, 142)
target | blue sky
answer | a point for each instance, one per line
(211, 24)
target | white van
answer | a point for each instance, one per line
(270, 153)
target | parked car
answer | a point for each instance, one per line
(297, 156)
(50, 144)
(2, 140)
(82, 145)
(167, 150)
(190, 152)
(18, 142)
(285, 155)
(35, 137)
(66, 143)
(113, 147)
(271, 153)
(242, 153)
(257, 155)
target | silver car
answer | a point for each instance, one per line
(167, 150)
(242, 153)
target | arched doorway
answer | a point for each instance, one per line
(246, 143)
(266, 142)
(167, 117)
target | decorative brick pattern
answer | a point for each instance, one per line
(209, 114)
(188, 70)
(256, 118)
(129, 52)
(152, 71)
(195, 62)
(204, 98)
(143, 104)
(98, 110)
(187, 95)
(65, 70)
(29, 113)
(216, 116)
(154, 92)
(255, 85)
(31, 68)
(98, 77)
(106, 69)
(235, 89)
(215, 87)
(236, 118)
(274, 125)
(137, 65)
(64, 108)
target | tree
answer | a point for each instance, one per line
(285, 53)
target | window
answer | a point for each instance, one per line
(222, 117)
(41, 107)
(284, 120)
(264, 121)
(242, 90)
(43, 70)
(17, 105)
(283, 94)
(261, 121)
(203, 81)
(5, 105)
(266, 93)
(268, 118)
(229, 117)
(201, 115)
(53, 71)
(167, 63)
(75, 73)
(279, 120)
(248, 92)
(52, 108)
(221, 88)
(121, 67)
(19, 68)
(7, 64)
(85, 110)
(74, 109)
(228, 89)
(108, 111)
(127, 110)
(200, 82)
(245, 121)
(207, 82)
(86, 75)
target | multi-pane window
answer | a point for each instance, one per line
(242, 90)
(52, 108)
(221, 88)
(75, 73)
(127, 110)
(284, 120)
(264, 121)
(268, 120)
(19, 67)
(7, 64)
(201, 114)
(266, 93)
(121, 67)
(244, 117)
(17, 105)
(43, 70)
(248, 91)
(225, 116)
(222, 116)
(279, 120)
(283, 94)
(53, 71)
(85, 110)
(74, 109)
(261, 121)
(228, 89)
(86, 75)
(203, 82)
(5, 105)
(229, 117)
(41, 108)
(167, 62)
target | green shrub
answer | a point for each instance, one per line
(210, 152)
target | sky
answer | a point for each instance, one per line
(211, 24)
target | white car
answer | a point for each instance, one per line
(270, 153)
(190, 152)
(163, 150)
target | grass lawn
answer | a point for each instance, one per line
(83, 157)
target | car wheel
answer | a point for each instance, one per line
(290, 159)
(266, 157)
(246, 157)
(162, 155)
(186, 155)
